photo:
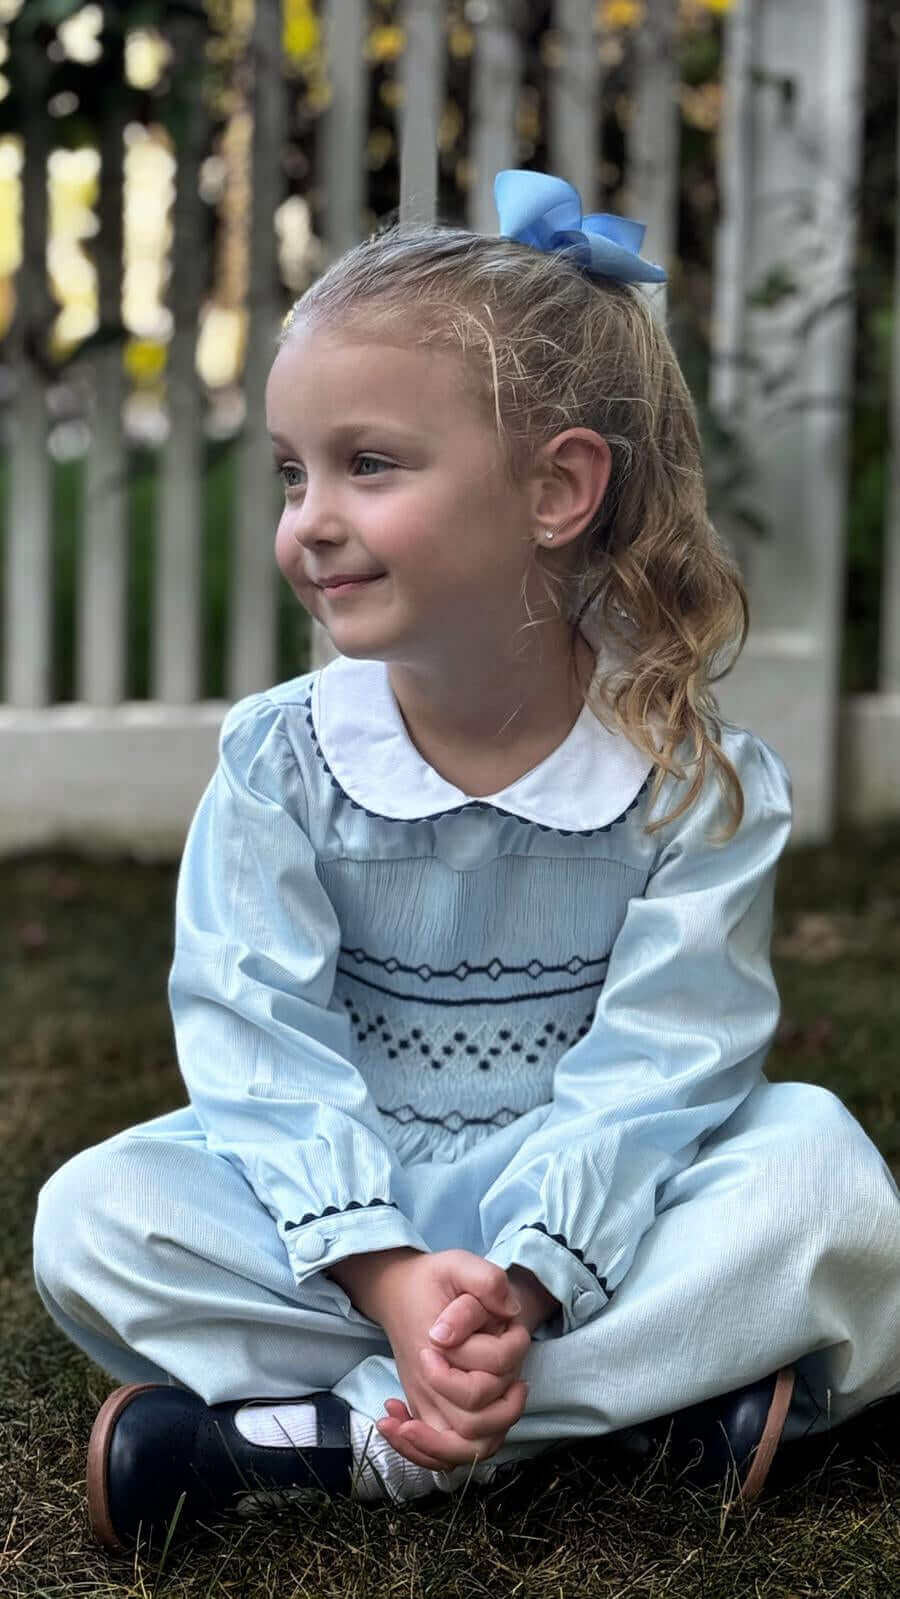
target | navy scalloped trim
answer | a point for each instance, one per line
(337, 1210)
(578, 1253)
(471, 805)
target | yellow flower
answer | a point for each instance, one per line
(7, 305)
(318, 96)
(460, 41)
(701, 107)
(300, 31)
(144, 360)
(379, 148)
(622, 13)
(385, 43)
(10, 206)
(450, 127)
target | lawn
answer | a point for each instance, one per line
(87, 1050)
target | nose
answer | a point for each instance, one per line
(309, 537)
(304, 545)
(310, 524)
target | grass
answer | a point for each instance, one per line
(87, 1050)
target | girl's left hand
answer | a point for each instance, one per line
(445, 1364)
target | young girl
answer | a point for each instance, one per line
(471, 986)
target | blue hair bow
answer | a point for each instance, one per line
(538, 209)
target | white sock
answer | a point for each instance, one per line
(280, 1426)
(400, 1478)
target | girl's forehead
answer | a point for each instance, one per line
(368, 359)
(383, 378)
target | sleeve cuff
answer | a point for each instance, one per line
(580, 1293)
(316, 1245)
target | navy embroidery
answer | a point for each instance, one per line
(578, 1253)
(337, 1210)
(463, 969)
(471, 805)
(429, 1047)
(473, 1000)
(426, 973)
(456, 1121)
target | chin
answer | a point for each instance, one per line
(345, 640)
(357, 652)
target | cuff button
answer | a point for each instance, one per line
(311, 1247)
(586, 1302)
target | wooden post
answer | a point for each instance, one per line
(790, 379)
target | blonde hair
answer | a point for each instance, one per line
(546, 348)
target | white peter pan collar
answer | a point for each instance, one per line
(588, 782)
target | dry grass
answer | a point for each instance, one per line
(87, 1050)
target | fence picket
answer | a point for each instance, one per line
(343, 127)
(573, 100)
(797, 310)
(29, 576)
(177, 611)
(252, 642)
(496, 78)
(732, 247)
(101, 633)
(651, 180)
(889, 674)
(342, 172)
(423, 96)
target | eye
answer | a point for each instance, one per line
(283, 467)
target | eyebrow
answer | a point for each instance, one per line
(349, 430)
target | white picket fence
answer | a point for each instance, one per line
(104, 774)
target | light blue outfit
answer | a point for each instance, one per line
(515, 1025)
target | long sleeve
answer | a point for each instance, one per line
(679, 1036)
(264, 1060)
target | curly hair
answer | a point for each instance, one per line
(544, 348)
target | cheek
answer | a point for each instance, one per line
(289, 560)
(286, 548)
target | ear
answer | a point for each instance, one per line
(572, 480)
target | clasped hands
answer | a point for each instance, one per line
(463, 1394)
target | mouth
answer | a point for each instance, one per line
(348, 588)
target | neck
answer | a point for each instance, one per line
(477, 713)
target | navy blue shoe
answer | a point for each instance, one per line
(150, 1444)
(729, 1439)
